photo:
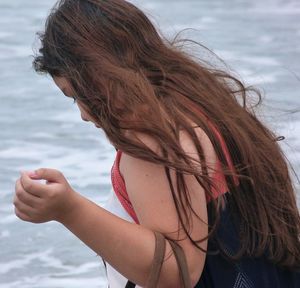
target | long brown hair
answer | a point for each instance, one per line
(119, 65)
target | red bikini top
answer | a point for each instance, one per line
(119, 187)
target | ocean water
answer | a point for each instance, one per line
(258, 39)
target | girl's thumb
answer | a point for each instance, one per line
(51, 175)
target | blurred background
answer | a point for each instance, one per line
(258, 39)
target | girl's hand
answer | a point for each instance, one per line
(36, 202)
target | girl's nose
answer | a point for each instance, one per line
(84, 118)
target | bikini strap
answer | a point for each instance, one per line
(158, 259)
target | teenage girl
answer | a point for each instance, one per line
(193, 162)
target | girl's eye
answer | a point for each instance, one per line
(74, 100)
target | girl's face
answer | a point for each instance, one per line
(64, 85)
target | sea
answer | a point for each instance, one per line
(259, 40)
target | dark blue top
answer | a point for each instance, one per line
(220, 272)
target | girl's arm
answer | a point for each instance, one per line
(128, 247)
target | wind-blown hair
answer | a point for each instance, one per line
(130, 78)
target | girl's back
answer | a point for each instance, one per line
(219, 269)
(248, 272)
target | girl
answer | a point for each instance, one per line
(193, 162)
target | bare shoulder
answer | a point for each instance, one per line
(186, 143)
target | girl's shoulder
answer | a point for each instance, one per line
(186, 142)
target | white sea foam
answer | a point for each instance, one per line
(227, 55)
(49, 281)
(276, 7)
(47, 259)
(5, 208)
(260, 60)
(16, 51)
(5, 34)
(291, 145)
(266, 39)
(8, 219)
(67, 275)
(4, 234)
(208, 20)
(81, 168)
(260, 79)
(18, 263)
(67, 116)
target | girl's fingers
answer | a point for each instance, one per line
(32, 186)
(22, 210)
(21, 215)
(51, 175)
(25, 197)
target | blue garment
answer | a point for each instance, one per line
(221, 272)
